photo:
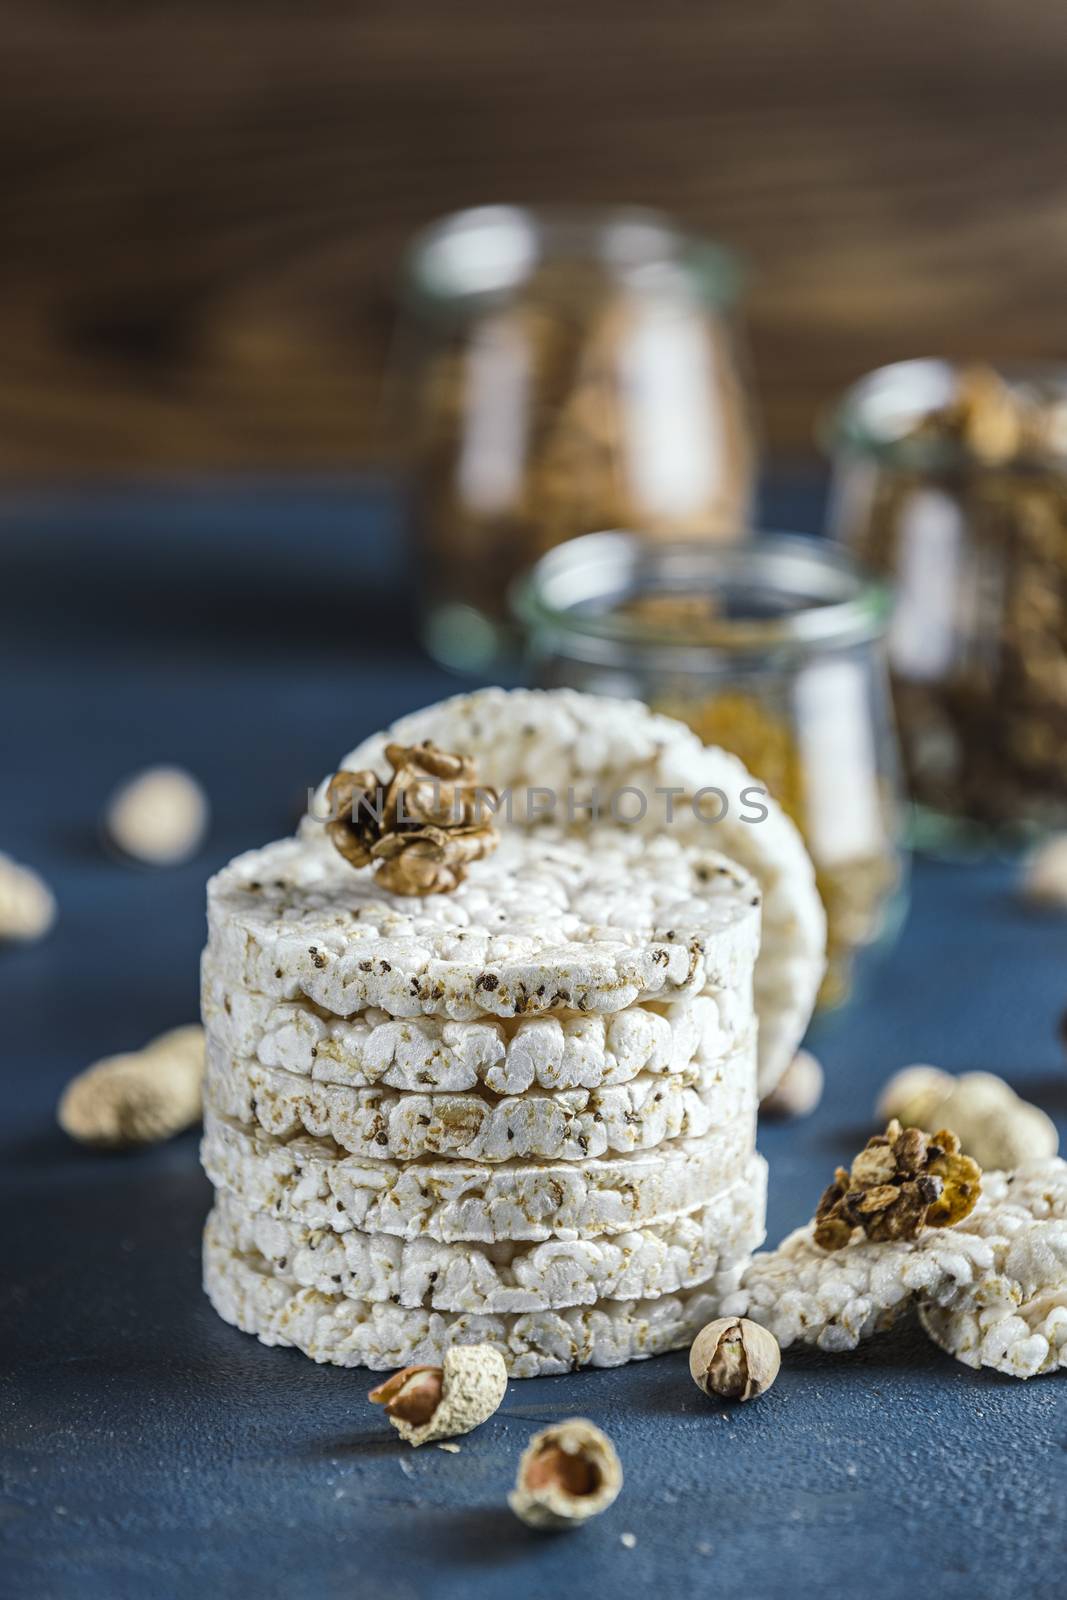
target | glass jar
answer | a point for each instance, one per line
(952, 482)
(573, 370)
(772, 649)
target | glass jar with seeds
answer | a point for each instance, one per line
(773, 649)
(951, 481)
(573, 370)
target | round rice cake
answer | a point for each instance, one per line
(1014, 1318)
(510, 1277)
(545, 923)
(361, 1333)
(313, 1182)
(562, 1125)
(508, 1055)
(575, 747)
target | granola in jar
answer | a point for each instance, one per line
(576, 371)
(952, 481)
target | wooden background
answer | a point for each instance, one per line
(202, 201)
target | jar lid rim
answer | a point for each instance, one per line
(876, 415)
(845, 603)
(469, 256)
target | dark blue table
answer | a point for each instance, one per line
(148, 1449)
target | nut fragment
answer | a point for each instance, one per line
(799, 1090)
(428, 1403)
(899, 1184)
(568, 1473)
(412, 1395)
(159, 816)
(27, 905)
(991, 1122)
(734, 1358)
(421, 830)
(139, 1098)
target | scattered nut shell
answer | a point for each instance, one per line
(27, 904)
(429, 1403)
(799, 1090)
(1045, 873)
(734, 1358)
(567, 1474)
(139, 1098)
(994, 1126)
(159, 816)
(912, 1096)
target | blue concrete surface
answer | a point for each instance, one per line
(146, 1449)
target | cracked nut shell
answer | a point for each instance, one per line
(428, 1403)
(994, 1126)
(734, 1358)
(567, 1474)
(912, 1096)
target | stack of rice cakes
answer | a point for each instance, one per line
(520, 1113)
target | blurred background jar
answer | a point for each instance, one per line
(951, 481)
(572, 371)
(773, 649)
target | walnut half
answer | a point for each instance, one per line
(903, 1182)
(420, 830)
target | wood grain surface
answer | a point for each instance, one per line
(202, 203)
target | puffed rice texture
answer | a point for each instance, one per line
(507, 1055)
(314, 1182)
(567, 1125)
(642, 1264)
(546, 923)
(990, 1290)
(1015, 1319)
(359, 1333)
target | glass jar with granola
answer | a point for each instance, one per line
(952, 482)
(773, 649)
(573, 371)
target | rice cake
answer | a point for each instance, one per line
(508, 1055)
(546, 923)
(313, 1182)
(563, 1125)
(640, 1264)
(359, 1333)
